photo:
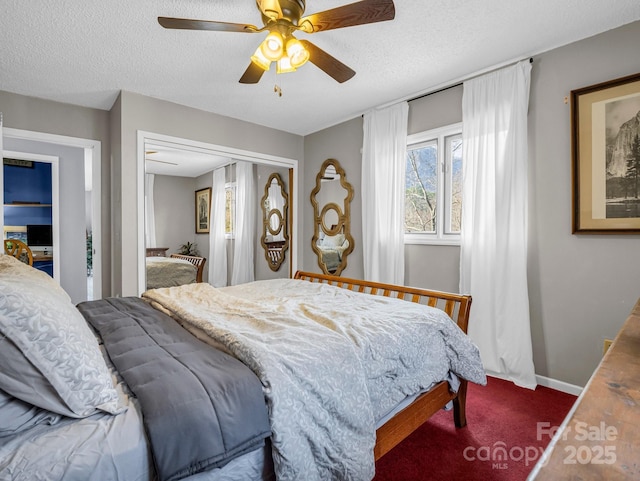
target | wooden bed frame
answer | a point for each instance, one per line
(199, 262)
(457, 306)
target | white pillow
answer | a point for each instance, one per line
(53, 345)
(333, 240)
(10, 266)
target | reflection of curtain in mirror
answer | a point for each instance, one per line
(149, 211)
(217, 238)
(276, 201)
(383, 185)
(246, 207)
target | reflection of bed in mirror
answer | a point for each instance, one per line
(183, 165)
(174, 270)
(332, 248)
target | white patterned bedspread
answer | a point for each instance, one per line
(331, 362)
(169, 271)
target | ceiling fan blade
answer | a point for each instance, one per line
(252, 75)
(327, 63)
(358, 13)
(189, 24)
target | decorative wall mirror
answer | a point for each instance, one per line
(275, 237)
(331, 200)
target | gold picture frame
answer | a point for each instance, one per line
(203, 210)
(605, 148)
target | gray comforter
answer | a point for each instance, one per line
(201, 407)
(331, 362)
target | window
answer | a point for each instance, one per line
(230, 209)
(433, 192)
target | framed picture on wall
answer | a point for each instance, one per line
(605, 146)
(203, 210)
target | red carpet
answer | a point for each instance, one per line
(502, 439)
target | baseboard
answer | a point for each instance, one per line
(558, 385)
(547, 382)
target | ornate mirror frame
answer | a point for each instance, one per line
(340, 211)
(274, 224)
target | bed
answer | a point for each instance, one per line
(332, 249)
(175, 270)
(104, 431)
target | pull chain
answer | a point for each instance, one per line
(276, 88)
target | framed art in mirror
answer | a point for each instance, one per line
(203, 210)
(605, 146)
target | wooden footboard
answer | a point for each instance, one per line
(457, 306)
(199, 262)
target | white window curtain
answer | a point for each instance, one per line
(149, 211)
(383, 184)
(493, 257)
(217, 234)
(246, 207)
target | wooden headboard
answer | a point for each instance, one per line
(199, 262)
(457, 306)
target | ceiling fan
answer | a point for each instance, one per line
(282, 18)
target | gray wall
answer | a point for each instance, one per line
(37, 115)
(343, 143)
(581, 287)
(137, 112)
(174, 206)
(73, 258)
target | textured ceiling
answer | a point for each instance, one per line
(84, 53)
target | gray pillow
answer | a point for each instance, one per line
(51, 356)
(17, 416)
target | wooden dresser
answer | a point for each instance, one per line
(157, 251)
(600, 437)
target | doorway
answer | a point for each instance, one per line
(30, 189)
(71, 151)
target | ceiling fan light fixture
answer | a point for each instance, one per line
(273, 46)
(284, 65)
(260, 60)
(296, 53)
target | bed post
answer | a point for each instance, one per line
(459, 405)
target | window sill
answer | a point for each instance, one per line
(415, 240)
